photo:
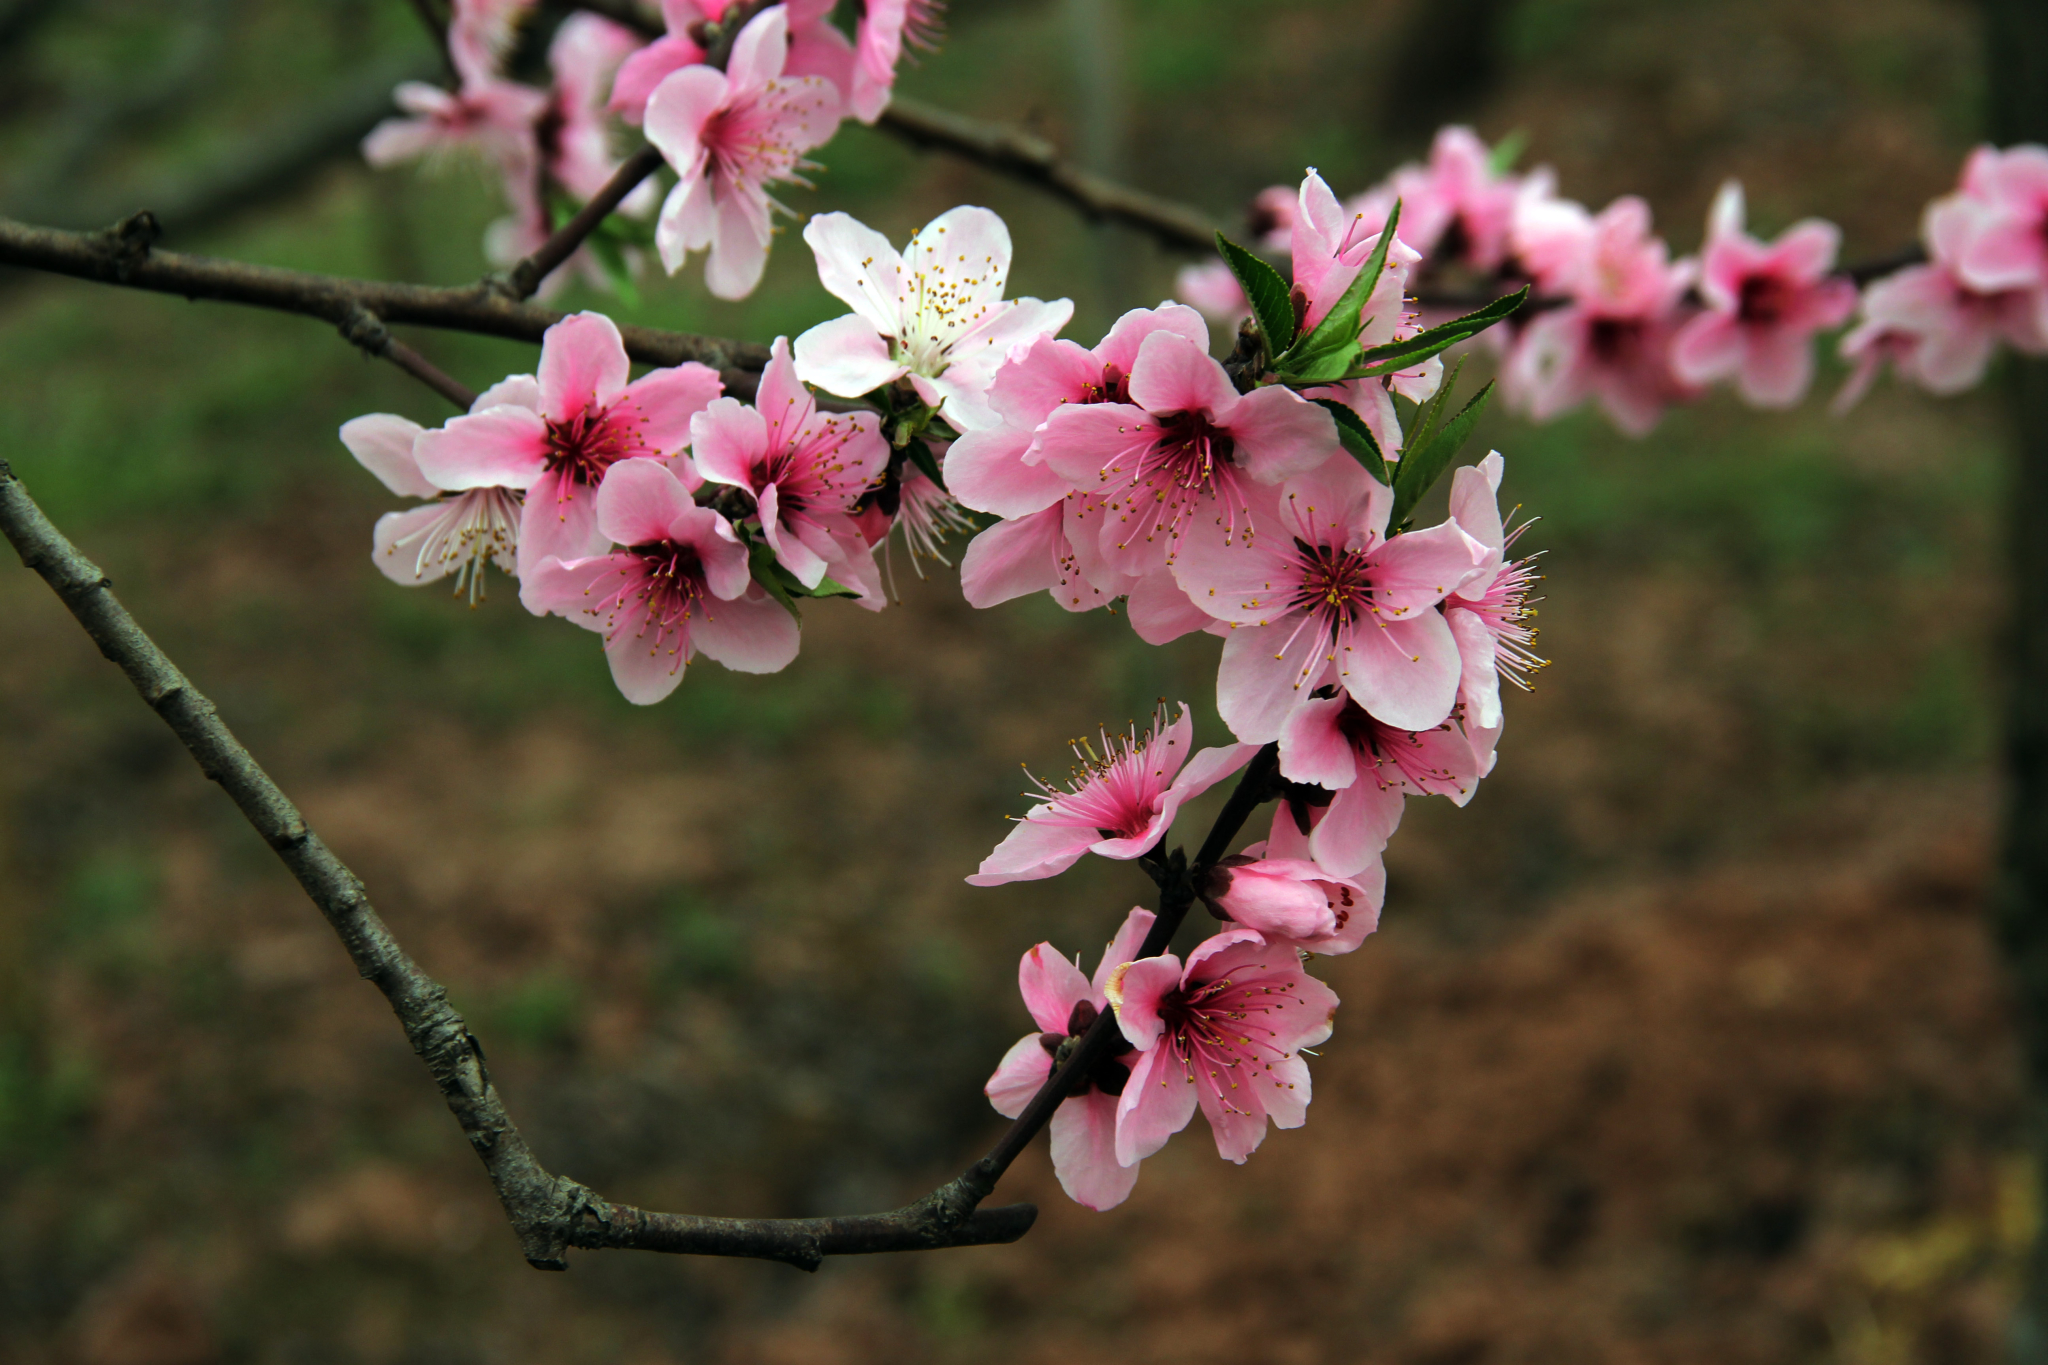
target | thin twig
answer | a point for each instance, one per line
(123, 255)
(1258, 784)
(524, 279)
(548, 1213)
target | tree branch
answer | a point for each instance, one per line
(548, 1213)
(1032, 159)
(1177, 881)
(124, 255)
(523, 279)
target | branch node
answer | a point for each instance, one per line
(126, 244)
(363, 329)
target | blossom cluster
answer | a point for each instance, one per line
(1267, 501)
(1616, 319)
(728, 133)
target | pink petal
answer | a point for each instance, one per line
(1130, 937)
(1161, 612)
(728, 442)
(403, 567)
(1019, 1076)
(496, 448)
(760, 50)
(1355, 831)
(739, 247)
(1079, 442)
(859, 267)
(1284, 1090)
(846, 356)
(1265, 671)
(1280, 434)
(1277, 904)
(1415, 571)
(571, 588)
(986, 471)
(1083, 1132)
(1777, 368)
(1138, 992)
(1157, 1102)
(639, 500)
(1403, 672)
(1313, 749)
(666, 400)
(1174, 374)
(645, 665)
(1708, 349)
(1120, 346)
(1479, 673)
(1051, 987)
(752, 633)
(640, 73)
(1013, 558)
(1034, 849)
(382, 443)
(583, 366)
(514, 390)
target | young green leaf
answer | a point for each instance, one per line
(769, 574)
(1408, 352)
(1357, 438)
(921, 456)
(1268, 293)
(1507, 152)
(1425, 460)
(1330, 348)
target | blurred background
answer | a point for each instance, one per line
(1684, 1042)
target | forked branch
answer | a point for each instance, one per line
(551, 1213)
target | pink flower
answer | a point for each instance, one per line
(934, 315)
(1993, 233)
(1764, 304)
(1457, 207)
(1547, 236)
(1937, 332)
(1187, 459)
(583, 418)
(1294, 899)
(1119, 803)
(1065, 1004)
(1212, 291)
(1225, 1032)
(494, 118)
(1331, 247)
(681, 585)
(729, 135)
(885, 26)
(928, 516)
(1030, 554)
(804, 470)
(815, 49)
(1001, 468)
(586, 50)
(481, 33)
(1326, 595)
(451, 534)
(1329, 741)
(1489, 616)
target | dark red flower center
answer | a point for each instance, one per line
(586, 445)
(1764, 299)
(1115, 387)
(1333, 580)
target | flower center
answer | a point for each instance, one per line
(586, 445)
(1333, 581)
(1114, 387)
(1612, 340)
(1764, 299)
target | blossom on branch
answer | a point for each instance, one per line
(934, 314)
(558, 436)
(1296, 899)
(1763, 305)
(1224, 1033)
(1329, 597)
(679, 584)
(1119, 803)
(816, 48)
(451, 533)
(1065, 1005)
(729, 135)
(1489, 614)
(886, 27)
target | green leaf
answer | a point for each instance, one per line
(1425, 460)
(1357, 438)
(1327, 352)
(772, 576)
(1411, 351)
(827, 587)
(1507, 152)
(921, 456)
(1272, 303)
(611, 259)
